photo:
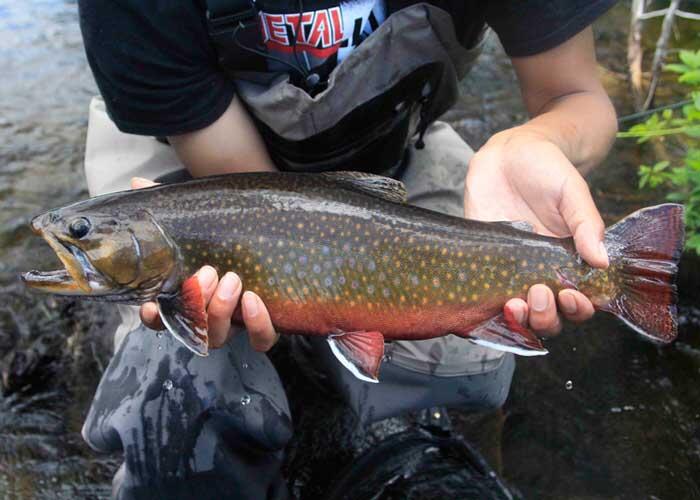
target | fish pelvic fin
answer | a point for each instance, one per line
(360, 352)
(505, 333)
(185, 316)
(644, 250)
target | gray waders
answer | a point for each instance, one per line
(217, 427)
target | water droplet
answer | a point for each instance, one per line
(245, 399)
(160, 347)
(270, 281)
(437, 414)
(325, 250)
(616, 409)
(317, 268)
(244, 365)
(628, 407)
(287, 268)
(167, 384)
(159, 335)
(569, 385)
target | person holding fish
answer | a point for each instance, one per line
(285, 85)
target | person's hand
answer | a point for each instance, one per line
(221, 296)
(520, 176)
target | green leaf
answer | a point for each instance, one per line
(667, 114)
(690, 58)
(695, 96)
(677, 68)
(660, 166)
(676, 197)
(690, 77)
(693, 131)
(691, 112)
(694, 242)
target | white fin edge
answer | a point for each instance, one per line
(347, 363)
(194, 348)
(514, 350)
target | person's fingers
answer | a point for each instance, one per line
(257, 321)
(140, 182)
(150, 317)
(542, 316)
(221, 307)
(575, 306)
(584, 221)
(208, 279)
(518, 308)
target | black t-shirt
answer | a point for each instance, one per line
(158, 71)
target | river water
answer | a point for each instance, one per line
(603, 416)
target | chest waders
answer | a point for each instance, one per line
(216, 427)
(385, 91)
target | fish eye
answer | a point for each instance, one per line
(79, 227)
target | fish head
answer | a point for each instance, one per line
(123, 255)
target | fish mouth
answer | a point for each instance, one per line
(79, 276)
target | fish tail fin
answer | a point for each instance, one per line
(644, 250)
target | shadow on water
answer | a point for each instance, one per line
(627, 425)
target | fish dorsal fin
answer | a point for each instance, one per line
(375, 185)
(504, 333)
(185, 316)
(517, 224)
(360, 352)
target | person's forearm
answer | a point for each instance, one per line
(230, 144)
(582, 125)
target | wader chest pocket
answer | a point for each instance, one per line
(374, 102)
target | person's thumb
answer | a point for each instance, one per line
(140, 182)
(584, 221)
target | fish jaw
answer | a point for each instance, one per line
(78, 276)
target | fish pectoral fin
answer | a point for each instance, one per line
(360, 352)
(504, 333)
(185, 316)
(375, 185)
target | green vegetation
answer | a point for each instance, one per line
(682, 180)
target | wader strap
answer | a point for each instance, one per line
(229, 23)
(224, 15)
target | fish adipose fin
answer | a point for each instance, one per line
(644, 249)
(185, 316)
(374, 185)
(360, 352)
(504, 333)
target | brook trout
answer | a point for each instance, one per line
(342, 255)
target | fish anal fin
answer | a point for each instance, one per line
(372, 184)
(360, 352)
(505, 333)
(185, 316)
